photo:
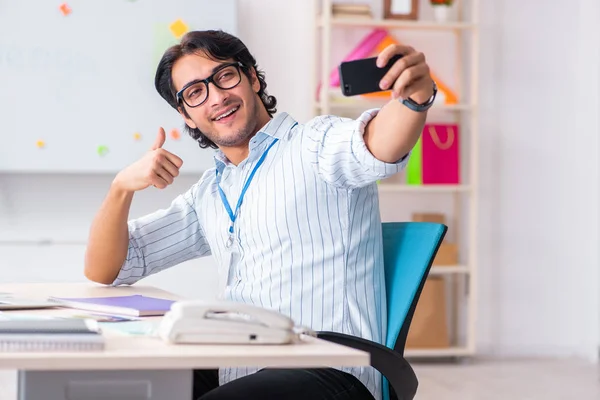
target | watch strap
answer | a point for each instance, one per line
(413, 105)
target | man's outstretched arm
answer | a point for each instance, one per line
(354, 153)
(393, 133)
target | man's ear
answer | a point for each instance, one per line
(254, 80)
(186, 118)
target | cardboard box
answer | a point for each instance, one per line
(429, 326)
(447, 254)
(429, 217)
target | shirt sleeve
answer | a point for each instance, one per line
(162, 239)
(338, 151)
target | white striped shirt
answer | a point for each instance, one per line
(308, 237)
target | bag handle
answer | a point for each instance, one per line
(436, 139)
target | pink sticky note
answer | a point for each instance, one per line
(175, 134)
(65, 9)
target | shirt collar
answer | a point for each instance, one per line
(276, 128)
(278, 125)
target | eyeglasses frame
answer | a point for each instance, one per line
(179, 94)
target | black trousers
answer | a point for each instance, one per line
(311, 384)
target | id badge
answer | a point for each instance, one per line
(227, 277)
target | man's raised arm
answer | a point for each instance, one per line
(109, 241)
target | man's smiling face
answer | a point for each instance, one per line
(228, 117)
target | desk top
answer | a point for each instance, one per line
(146, 352)
(43, 290)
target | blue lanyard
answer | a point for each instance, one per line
(232, 215)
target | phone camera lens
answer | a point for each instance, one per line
(347, 88)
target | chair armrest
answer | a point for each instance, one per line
(392, 365)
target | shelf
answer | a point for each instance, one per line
(398, 24)
(337, 101)
(465, 65)
(448, 270)
(367, 104)
(396, 187)
(433, 353)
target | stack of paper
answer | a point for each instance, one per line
(50, 335)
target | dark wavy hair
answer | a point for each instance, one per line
(220, 46)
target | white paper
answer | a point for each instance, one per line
(401, 6)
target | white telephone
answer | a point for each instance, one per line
(225, 322)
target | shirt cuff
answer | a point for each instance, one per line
(365, 157)
(132, 269)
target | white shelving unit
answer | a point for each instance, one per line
(463, 277)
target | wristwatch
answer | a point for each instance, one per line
(410, 103)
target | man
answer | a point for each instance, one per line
(290, 212)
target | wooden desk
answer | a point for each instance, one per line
(147, 359)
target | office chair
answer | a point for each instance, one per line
(408, 250)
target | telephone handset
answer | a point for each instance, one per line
(225, 322)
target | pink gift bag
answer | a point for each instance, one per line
(441, 156)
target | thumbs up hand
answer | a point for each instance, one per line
(160, 139)
(157, 167)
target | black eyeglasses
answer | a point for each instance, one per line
(195, 93)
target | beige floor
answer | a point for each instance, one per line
(478, 380)
(509, 380)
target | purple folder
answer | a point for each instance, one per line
(136, 305)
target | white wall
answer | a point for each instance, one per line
(539, 175)
(539, 123)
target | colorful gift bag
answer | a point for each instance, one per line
(435, 159)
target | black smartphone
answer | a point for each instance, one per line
(363, 76)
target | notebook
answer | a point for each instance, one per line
(136, 305)
(17, 303)
(50, 335)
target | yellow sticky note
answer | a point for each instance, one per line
(178, 28)
(40, 144)
(137, 136)
(102, 150)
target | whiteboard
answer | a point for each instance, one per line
(77, 90)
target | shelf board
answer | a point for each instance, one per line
(398, 187)
(433, 353)
(397, 24)
(341, 103)
(448, 270)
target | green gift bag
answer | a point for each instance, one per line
(414, 169)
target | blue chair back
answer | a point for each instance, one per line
(408, 250)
